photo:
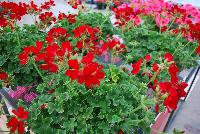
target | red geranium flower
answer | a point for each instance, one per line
(88, 58)
(73, 73)
(148, 57)
(47, 5)
(3, 76)
(168, 57)
(136, 66)
(17, 122)
(20, 113)
(157, 108)
(51, 91)
(13, 124)
(175, 91)
(173, 70)
(155, 67)
(198, 50)
(91, 74)
(47, 18)
(120, 132)
(49, 66)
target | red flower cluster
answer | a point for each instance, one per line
(70, 17)
(88, 30)
(3, 75)
(17, 122)
(48, 55)
(56, 35)
(125, 15)
(32, 8)
(168, 57)
(198, 50)
(136, 67)
(168, 17)
(90, 74)
(75, 3)
(194, 31)
(114, 46)
(11, 12)
(23, 57)
(88, 36)
(47, 5)
(47, 18)
(15, 11)
(173, 88)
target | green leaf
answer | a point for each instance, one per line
(3, 59)
(116, 119)
(47, 121)
(70, 125)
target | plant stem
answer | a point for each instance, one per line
(40, 74)
(170, 25)
(177, 38)
(17, 35)
(137, 108)
(181, 47)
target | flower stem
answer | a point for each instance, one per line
(40, 74)
(181, 47)
(17, 35)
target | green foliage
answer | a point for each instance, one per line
(141, 41)
(117, 103)
(93, 19)
(12, 42)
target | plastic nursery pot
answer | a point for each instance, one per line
(101, 5)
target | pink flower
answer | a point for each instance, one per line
(29, 97)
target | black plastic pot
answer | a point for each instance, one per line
(101, 5)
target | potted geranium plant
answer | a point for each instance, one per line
(77, 92)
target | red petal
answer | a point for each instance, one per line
(12, 124)
(3, 76)
(136, 66)
(148, 57)
(88, 58)
(73, 74)
(168, 57)
(155, 67)
(73, 64)
(53, 68)
(21, 127)
(198, 50)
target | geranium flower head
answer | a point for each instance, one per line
(155, 67)
(168, 57)
(136, 67)
(148, 57)
(87, 58)
(13, 124)
(198, 50)
(73, 64)
(3, 76)
(20, 113)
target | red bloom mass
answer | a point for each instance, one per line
(198, 50)
(90, 74)
(168, 57)
(3, 76)
(20, 113)
(136, 66)
(148, 57)
(17, 122)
